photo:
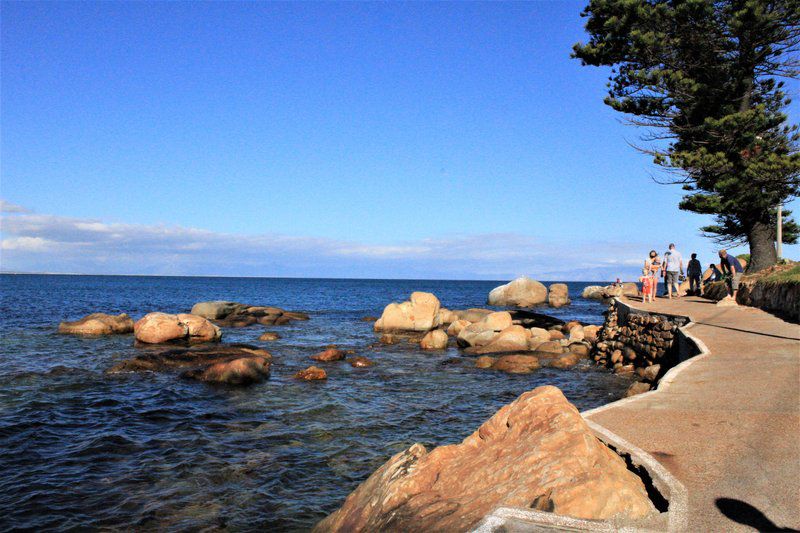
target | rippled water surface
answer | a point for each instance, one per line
(85, 450)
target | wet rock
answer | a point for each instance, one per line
(558, 295)
(158, 328)
(447, 316)
(194, 357)
(473, 314)
(329, 355)
(579, 349)
(389, 338)
(434, 340)
(98, 324)
(369, 319)
(484, 361)
(269, 336)
(553, 347)
(538, 445)
(215, 309)
(456, 327)
(517, 364)
(590, 332)
(556, 335)
(567, 360)
(360, 361)
(650, 373)
(419, 313)
(522, 292)
(242, 371)
(312, 373)
(512, 339)
(484, 331)
(450, 361)
(623, 369)
(237, 315)
(637, 387)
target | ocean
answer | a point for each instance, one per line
(82, 449)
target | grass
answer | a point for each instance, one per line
(780, 274)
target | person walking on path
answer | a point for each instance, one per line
(732, 272)
(695, 272)
(652, 266)
(673, 268)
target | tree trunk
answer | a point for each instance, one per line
(762, 247)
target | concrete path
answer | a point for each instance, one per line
(728, 426)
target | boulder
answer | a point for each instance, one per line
(593, 292)
(158, 328)
(638, 387)
(576, 334)
(473, 314)
(558, 295)
(590, 332)
(360, 361)
(312, 373)
(551, 347)
(331, 354)
(269, 336)
(242, 371)
(98, 324)
(209, 362)
(536, 450)
(484, 331)
(567, 360)
(456, 327)
(556, 335)
(522, 292)
(447, 316)
(215, 309)
(484, 361)
(420, 313)
(651, 373)
(434, 340)
(512, 339)
(540, 333)
(579, 349)
(517, 364)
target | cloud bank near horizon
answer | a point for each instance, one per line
(33, 242)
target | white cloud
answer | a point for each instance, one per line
(94, 246)
(8, 207)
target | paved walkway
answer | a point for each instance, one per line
(728, 426)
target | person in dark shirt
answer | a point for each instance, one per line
(732, 271)
(716, 275)
(694, 270)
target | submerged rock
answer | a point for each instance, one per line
(517, 364)
(269, 336)
(159, 328)
(312, 373)
(522, 292)
(484, 361)
(242, 371)
(360, 361)
(237, 315)
(331, 354)
(98, 324)
(538, 449)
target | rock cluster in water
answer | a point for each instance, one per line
(98, 324)
(535, 452)
(236, 315)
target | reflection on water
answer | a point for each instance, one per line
(79, 448)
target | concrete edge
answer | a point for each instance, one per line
(667, 484)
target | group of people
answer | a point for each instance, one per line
(671, 269)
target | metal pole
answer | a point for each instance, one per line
(780, 231)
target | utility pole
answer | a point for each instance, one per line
(780, 231)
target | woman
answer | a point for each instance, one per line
(652, 267)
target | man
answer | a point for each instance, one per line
(695, 272)
(732, 272)
(673, 269)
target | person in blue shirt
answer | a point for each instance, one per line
(732, 271)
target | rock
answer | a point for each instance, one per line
(522, 292)
(593, 292)
(651, 373)
(623, 369)
(311, 373)
(637, 387)
(196, 359)
(158, 328)
(331, 354)
(630, 289)
(98, 324)
(360, 361)
(482, 332)
(566, 328)
(420, 313)
(616, 356)
(369, 319)
(517, 364)
(576, 334)
(590, 333)
(269, 336)
(473, 315)
(242, 371)
(550, 347)
(558, 295)
(447, 316)
(388, 338)
(215, 309)
(434, 340)
(567, 360)
(540, 333)
(512, 339)
(536, 449)
(556, 335)
(580, 350)
(456, 327)
(484, 361)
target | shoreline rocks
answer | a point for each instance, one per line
(522, 292)
(537, 451)
(237, 315)
(160, 328)
(97, 324)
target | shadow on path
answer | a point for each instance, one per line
(746, 514)
(747, 331)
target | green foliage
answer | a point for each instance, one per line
(703, 77)
(791, 275)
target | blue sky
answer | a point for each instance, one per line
(421, 140)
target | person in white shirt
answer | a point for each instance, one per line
(673, 269)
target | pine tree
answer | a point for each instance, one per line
(705, 78)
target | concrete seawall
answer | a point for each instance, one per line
(717, 439)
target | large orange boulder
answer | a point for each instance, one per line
(522, 292)
(558, 295)
(98, 324)
(419, 313)
(157, 328)
(434, 340)
(535, 449)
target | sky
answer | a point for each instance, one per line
(361, 140)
